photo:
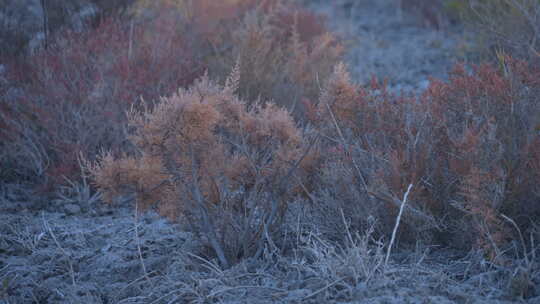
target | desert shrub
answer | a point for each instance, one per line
(284, 50)
(206, 159)
(369, 160)
(284, 55)
(468, 146)
(72, 97)
(510, 26)
(489, 119)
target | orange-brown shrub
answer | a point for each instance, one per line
(284, 50)
(292, 68)
(469, 146)
(204, 157)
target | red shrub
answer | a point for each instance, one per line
(469, 146)
(490, 118)
(76, 92)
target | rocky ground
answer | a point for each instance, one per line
(76, 249)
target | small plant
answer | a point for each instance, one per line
(205, 158)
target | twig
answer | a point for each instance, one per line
(520, 238)
(138, 240)
(414, 212)
(211, 266)
(207, 222)
(403, 202)
(130, 47)
(316, 292)
(213, 294)
(158, 300)
(45, 23)
(70, 264)
(344, 143)
(346, 226)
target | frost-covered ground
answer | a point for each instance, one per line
(384, 41)
(94, 253)
(78, 250)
